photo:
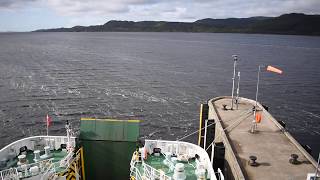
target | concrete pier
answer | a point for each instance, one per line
(271, 144)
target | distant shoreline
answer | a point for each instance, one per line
(287, 24)
(26, 32)
(307, 35)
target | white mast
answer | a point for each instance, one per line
(69, 132)
(235, 58)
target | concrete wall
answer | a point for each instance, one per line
(220, 136)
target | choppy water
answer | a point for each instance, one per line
(160, 78)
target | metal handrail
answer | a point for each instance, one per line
(220, 174)
(137, 173)
(9, 146)
(171, 164)
(41, 164)
(67, 160)
(71, 161)
(12, 173)
(50, 170)
(154, 172)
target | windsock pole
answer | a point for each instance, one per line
(257, 90)
(254, 125)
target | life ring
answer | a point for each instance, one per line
(258, 118)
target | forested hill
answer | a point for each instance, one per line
(298, 24)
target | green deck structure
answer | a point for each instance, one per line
(108, 145)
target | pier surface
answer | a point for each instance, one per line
(271, 143)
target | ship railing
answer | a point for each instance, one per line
(180, 147)
(170, 163)
(49, 172)
(35, 142)
(43, 166)
(135, 159)
(135, 173)
(66, 161)
(152, 173)
(132, 164)
(220, 175)
(133, 169)
(11, 174)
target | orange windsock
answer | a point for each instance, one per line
(273, 69)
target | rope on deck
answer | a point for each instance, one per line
(233, 125)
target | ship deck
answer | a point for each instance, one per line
(57, 155)
(271, 144)
(157, 162)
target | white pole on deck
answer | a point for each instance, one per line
(47, 123)
(256, 104)
(235, 58)
(212, 151)
(238, 89)
(48, 134)
(205, 134)
(257, 91)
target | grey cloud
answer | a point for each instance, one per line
(14, 3)
(172, 10)
(75, 7)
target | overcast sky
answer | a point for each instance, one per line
(26, 15)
